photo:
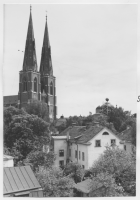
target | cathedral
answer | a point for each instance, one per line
(34, 84)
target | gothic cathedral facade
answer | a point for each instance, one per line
(34, 84)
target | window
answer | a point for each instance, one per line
(79, 155)
(35, 84)
(83, 166)
(113, 141)
(61, 153)
(70, 152)
(105, 133)
(61, 163)
(125, 147)
(75, 154)
(83, 156)
(24, 84)
(98, 143)
(51, 88)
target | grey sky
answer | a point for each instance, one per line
(94, 48)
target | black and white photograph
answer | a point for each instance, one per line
(70, 95)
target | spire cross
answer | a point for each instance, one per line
(46, 14)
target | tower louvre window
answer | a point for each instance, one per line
(24, 84)
(51, 88)
(35, 84)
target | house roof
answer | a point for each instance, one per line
(90, 133)
(85, 135)
(13, 99)
(84, 186)
(60, 121)
(126, 135)
(17, 179)
(73, 131)
(88, 186)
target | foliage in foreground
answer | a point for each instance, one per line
(55, 183)
(104, 185)
(121, 166)
(23, 133)
(75, 170)
(40, 158)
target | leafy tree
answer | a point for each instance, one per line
(76, 171)
(26, 133)
(9, 112)
(26, 127)
(121, 165)
(40, 158)
(104, 185)
(133, 133)
(38, 108)
(55, 183)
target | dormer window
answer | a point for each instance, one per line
(105, 133)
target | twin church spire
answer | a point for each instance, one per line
(46, 62)
(30, 59)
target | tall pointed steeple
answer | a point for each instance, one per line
(30, 60)
(46, 61)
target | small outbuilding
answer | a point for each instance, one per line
(20, 182)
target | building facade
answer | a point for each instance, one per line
(84, 145)
(36, 84)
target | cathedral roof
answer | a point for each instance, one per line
(46, 62)
(30, 60)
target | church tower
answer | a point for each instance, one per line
(29, 77)
(48, 89)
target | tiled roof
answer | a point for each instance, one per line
(60, 122)
(90, 133)
(17, 179)
(126, 135)
(86, 134)
(84, 186)
(11, 99)
(88, 186)
(74, 131)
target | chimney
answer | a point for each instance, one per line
(96, 124)
(89, 124)
(111, 125)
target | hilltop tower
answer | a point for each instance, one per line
(48, 89)
(29, 77)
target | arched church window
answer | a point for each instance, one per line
(24, 84)
(35, 84)
(51, 88)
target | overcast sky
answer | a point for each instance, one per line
(94, 52)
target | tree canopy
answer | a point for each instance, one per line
(75, 170)
(38, 108)
(121, 166)
(24, 133)
(55, 183)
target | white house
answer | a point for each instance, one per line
(83, 144)
(8, 161)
